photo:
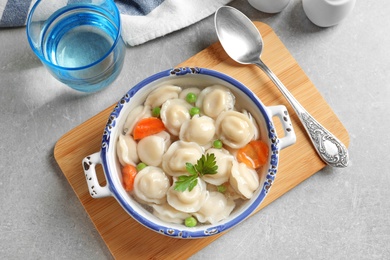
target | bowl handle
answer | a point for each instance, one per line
(89, 165)
(289, 133)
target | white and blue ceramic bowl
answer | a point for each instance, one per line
(199, 77)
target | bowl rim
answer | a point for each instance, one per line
(187, 232)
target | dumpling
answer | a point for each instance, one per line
(178, 154)
(151, 185)
(152, 148)
(215, 99)
(243, 179)
(174, 112)
(167, 213)
(158, 96)
(224, 161)
(256, 135)
(134, 116)
(230, 192)
(126, 149)
(188, 201)
(234, 129)
(216, 208)
(199, 129)
(185, 91)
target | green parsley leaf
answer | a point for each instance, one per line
(186, 182)
(207, 164)
(193, 184)
(191, 169)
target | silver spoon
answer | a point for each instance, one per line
(243, 43)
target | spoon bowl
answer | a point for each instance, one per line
(244, 44)
(234, 31)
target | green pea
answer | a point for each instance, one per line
(194, 111)
(221, 188)
(191, 98)
(190, 222)
(156, 112)
(217, 144)
(140, 166)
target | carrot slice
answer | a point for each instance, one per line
(261, 149)
(128, 175)
(147, 126)
(254, 154)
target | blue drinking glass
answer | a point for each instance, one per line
(78, 41)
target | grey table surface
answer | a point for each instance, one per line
(335, 214)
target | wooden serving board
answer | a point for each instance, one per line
(125, 238)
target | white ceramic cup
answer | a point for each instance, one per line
(325, 13)
(269, 6)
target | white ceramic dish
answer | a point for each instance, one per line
(269, 6)
(199, 77)
(325, 13)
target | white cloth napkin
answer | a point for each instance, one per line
(142, 20)
(168, 16)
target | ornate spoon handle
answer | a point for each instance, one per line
(329, 148)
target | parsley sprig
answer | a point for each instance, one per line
(207, 164)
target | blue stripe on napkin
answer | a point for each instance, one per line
(142, 20)
(15, 13)
(137, 7)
